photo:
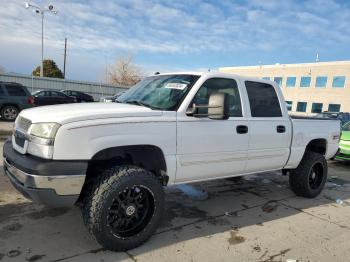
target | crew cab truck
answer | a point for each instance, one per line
(114, 159)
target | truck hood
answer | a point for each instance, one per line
(68, 113)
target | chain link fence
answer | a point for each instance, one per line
(34, 83)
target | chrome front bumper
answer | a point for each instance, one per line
(62, 185)
(50, 182)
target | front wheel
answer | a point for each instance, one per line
(309, 178)
(9, 113)
(124, 208)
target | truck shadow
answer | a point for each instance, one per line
(228, 206)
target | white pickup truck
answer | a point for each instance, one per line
(115, 158)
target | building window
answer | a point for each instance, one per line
(291, 81)
(266, 78)
(278, 80)
(321, 81)
(334, 108)
(316, 108)
(289, 105)
(338, 81)
(305, 81)
(301, 106)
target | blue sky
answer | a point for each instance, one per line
(174, 35)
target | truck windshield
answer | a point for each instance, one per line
(163, 92)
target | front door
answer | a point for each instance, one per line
(208, 148)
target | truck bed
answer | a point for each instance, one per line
(324, 130)
(310, 117)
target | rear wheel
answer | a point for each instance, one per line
(9, 113)
(309, 178)
(124, 208)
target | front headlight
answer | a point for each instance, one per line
(44, 130)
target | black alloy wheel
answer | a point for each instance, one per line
(131, 211)
(316, 176)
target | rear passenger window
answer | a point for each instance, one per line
(263, 100)
(15, 90)
(219, 85)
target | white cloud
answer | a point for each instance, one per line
(177, 27)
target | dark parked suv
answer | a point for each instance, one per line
(13, 98)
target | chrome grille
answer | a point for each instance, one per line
(23, 123)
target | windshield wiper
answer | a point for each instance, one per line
(140, 103)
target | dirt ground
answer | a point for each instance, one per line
(256, 218)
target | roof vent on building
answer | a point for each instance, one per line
(317, 58)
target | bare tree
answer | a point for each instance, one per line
(124, 72)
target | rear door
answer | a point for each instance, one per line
(42, 98)
(2, 95)
(16, 95)
(269, 128)
(79, 96)
(208, 148)
(57, 98)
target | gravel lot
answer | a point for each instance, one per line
(256, 218)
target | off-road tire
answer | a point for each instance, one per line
(109, 185)
(299, 178)
(9, 113)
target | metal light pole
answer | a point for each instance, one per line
(42, 12)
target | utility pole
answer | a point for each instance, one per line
(65, 55)
(42, 45)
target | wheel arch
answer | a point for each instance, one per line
(149, 157)
(318, 145)
(10, 104)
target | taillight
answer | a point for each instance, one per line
(31, 100)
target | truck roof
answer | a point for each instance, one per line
(218, 74)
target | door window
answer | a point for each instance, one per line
(39, 93)
(61, 94)
(219, 85)
(263, 100)
(15, 90)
